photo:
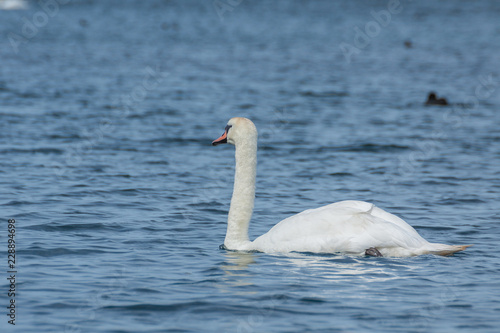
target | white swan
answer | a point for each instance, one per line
(352, 227)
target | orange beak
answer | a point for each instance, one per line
(220, 140)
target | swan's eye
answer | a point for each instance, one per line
(228, 127)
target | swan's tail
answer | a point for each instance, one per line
(445, 250)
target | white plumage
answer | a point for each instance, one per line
(350, 227)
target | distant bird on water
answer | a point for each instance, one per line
(433, 100)
(13, 4)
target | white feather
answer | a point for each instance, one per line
(348, 226)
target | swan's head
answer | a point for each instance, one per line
(238, 130)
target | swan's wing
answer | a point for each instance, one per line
(346, 226)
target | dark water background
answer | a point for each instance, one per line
(107, 112)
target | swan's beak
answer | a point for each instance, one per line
(222, 139)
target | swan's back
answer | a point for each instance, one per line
(346, 226)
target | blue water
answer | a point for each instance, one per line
(107, 113)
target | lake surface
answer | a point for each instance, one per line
(107, 112)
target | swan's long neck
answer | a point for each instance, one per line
(242, 201)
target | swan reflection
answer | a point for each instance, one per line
(240, 267)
